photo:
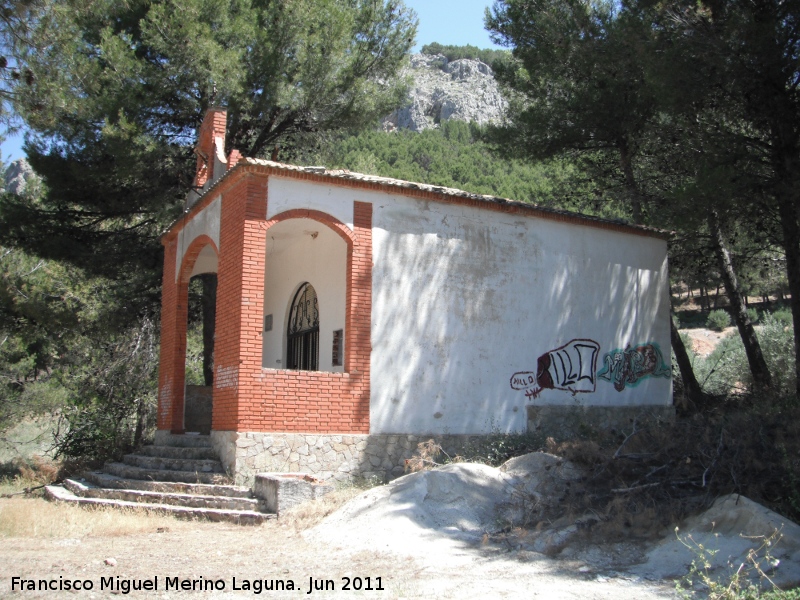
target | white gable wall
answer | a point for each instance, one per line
(463, 298)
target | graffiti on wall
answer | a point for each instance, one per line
(570, 367)
(629, 366)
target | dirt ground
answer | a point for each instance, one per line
(278, 551)
(704, 341)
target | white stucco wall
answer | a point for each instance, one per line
(463, 298)
(287, 194)
(300, 250)
(206, 222)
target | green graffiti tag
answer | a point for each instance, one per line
(629, 366)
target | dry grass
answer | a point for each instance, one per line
(25, 514)
(38, 518)
(29, 515)
(17, 485)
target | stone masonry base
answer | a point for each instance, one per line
(341, 457)
(325, 456)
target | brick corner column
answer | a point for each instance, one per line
(358, 343)
(240, 302)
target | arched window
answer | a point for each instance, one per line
(302, 350)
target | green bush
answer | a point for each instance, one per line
(753, 314)
(718, 320)
(783, 315)
(726, 368)
(496, 448)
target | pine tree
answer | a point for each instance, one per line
(118, 92)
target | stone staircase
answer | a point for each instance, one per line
(183, 477)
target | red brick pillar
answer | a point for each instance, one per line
(171, 372)
(240, 302)
(359, 314)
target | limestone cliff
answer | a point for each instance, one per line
(462, 89)
(18, 176)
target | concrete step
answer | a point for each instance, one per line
(174, 464)
(127, 471)
(200, 452)
(105, 480)
(186, 441)
(243, 517)
(86, 489)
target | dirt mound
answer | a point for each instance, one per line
(456, 507)
(732, 528)
(449, 508)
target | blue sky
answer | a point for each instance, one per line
(453, 22)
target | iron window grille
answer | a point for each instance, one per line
(302, 350)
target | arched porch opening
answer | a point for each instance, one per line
(305, 296)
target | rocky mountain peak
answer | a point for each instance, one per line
(463, 89)
(17, 176)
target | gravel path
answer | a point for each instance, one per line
(273, 552)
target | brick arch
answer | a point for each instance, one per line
(191, 254)
(350, 238)
(175, 299)
(342, 230)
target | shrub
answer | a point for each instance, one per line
(718, 320)
(496, 448)
(783, 315)
(777, 344)
(753, 314)
(745, 583)
(113, 406)
(726, 368)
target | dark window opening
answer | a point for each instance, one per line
(302, 350)
(337, 356)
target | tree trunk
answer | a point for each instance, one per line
(755, 358)
(209, 315)
(691, 387)
(791, 244)
(632, 189)
(141, 411)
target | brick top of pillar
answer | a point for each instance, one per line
(212, 129)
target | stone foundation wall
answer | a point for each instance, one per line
(565, 422)
(341, 457)
(325, 456)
